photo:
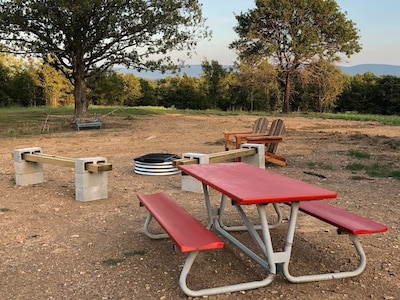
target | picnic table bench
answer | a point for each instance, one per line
(346, 223)
(94, 122)
(187, 233)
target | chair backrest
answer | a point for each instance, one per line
(260, 125)
(277, 128)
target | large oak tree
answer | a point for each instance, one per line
(292, 34)
(84, 38)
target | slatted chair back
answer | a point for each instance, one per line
(260, 125)
(277, 128)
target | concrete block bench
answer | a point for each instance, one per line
(91, 173)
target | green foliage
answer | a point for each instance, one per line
(213, 74)
(393, 120)
(321, 83)
(183, 93)
(294, 34)
(355, 167)
(113, 261)
(4, 209)
(87, 37)
(134, 252)
(369, 94)
(358, 154)
(375, 170)
(106, 89)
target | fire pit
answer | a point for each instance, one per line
(156, 164)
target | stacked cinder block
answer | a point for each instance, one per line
(27, 173)
(88, 185)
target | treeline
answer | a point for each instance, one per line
(31, 83)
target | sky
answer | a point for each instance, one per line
(377, 21)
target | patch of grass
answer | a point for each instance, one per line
(319, 165)
(396, 174)
(20, 122)
(358, 154)
(378, 170)
(4, 209)
(356, 167)
(375, 170)
(393, 120)
(134, 252)
(116, 261)
(357, 177)
(113, 261)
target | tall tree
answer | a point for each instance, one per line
(291, 34)
(85, 37)
(258, 80)
(326, 81)
(5, 99)
(213, 74)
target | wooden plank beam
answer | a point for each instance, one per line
(50, 159)
(97, 168)
(231, 154)
(218, 156)
(65, 162)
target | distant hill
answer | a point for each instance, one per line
(196, 70)
(377, 69)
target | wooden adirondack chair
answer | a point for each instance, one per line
(234, 139)
(271, 141)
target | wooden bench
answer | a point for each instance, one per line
(94, 122)
(91, 178)
(218, 156)
(66, 162)
(346, 223)
(187, 233)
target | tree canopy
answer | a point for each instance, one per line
(83, 38)
(292, 34)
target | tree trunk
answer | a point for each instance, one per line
(81, 103)
(286, 96)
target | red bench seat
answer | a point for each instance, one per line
(344, 220)
(187, 232)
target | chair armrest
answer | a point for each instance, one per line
(259, 138)
(230, 134)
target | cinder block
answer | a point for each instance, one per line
(18, 152)
(258, 159)
(189, 183)
(89, 179)
(91, 193)
(90, 186)
(81, 162)
(26, 172)
(27, 167)
(202, 158)
(28, 179)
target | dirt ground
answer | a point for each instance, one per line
(54, 247)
